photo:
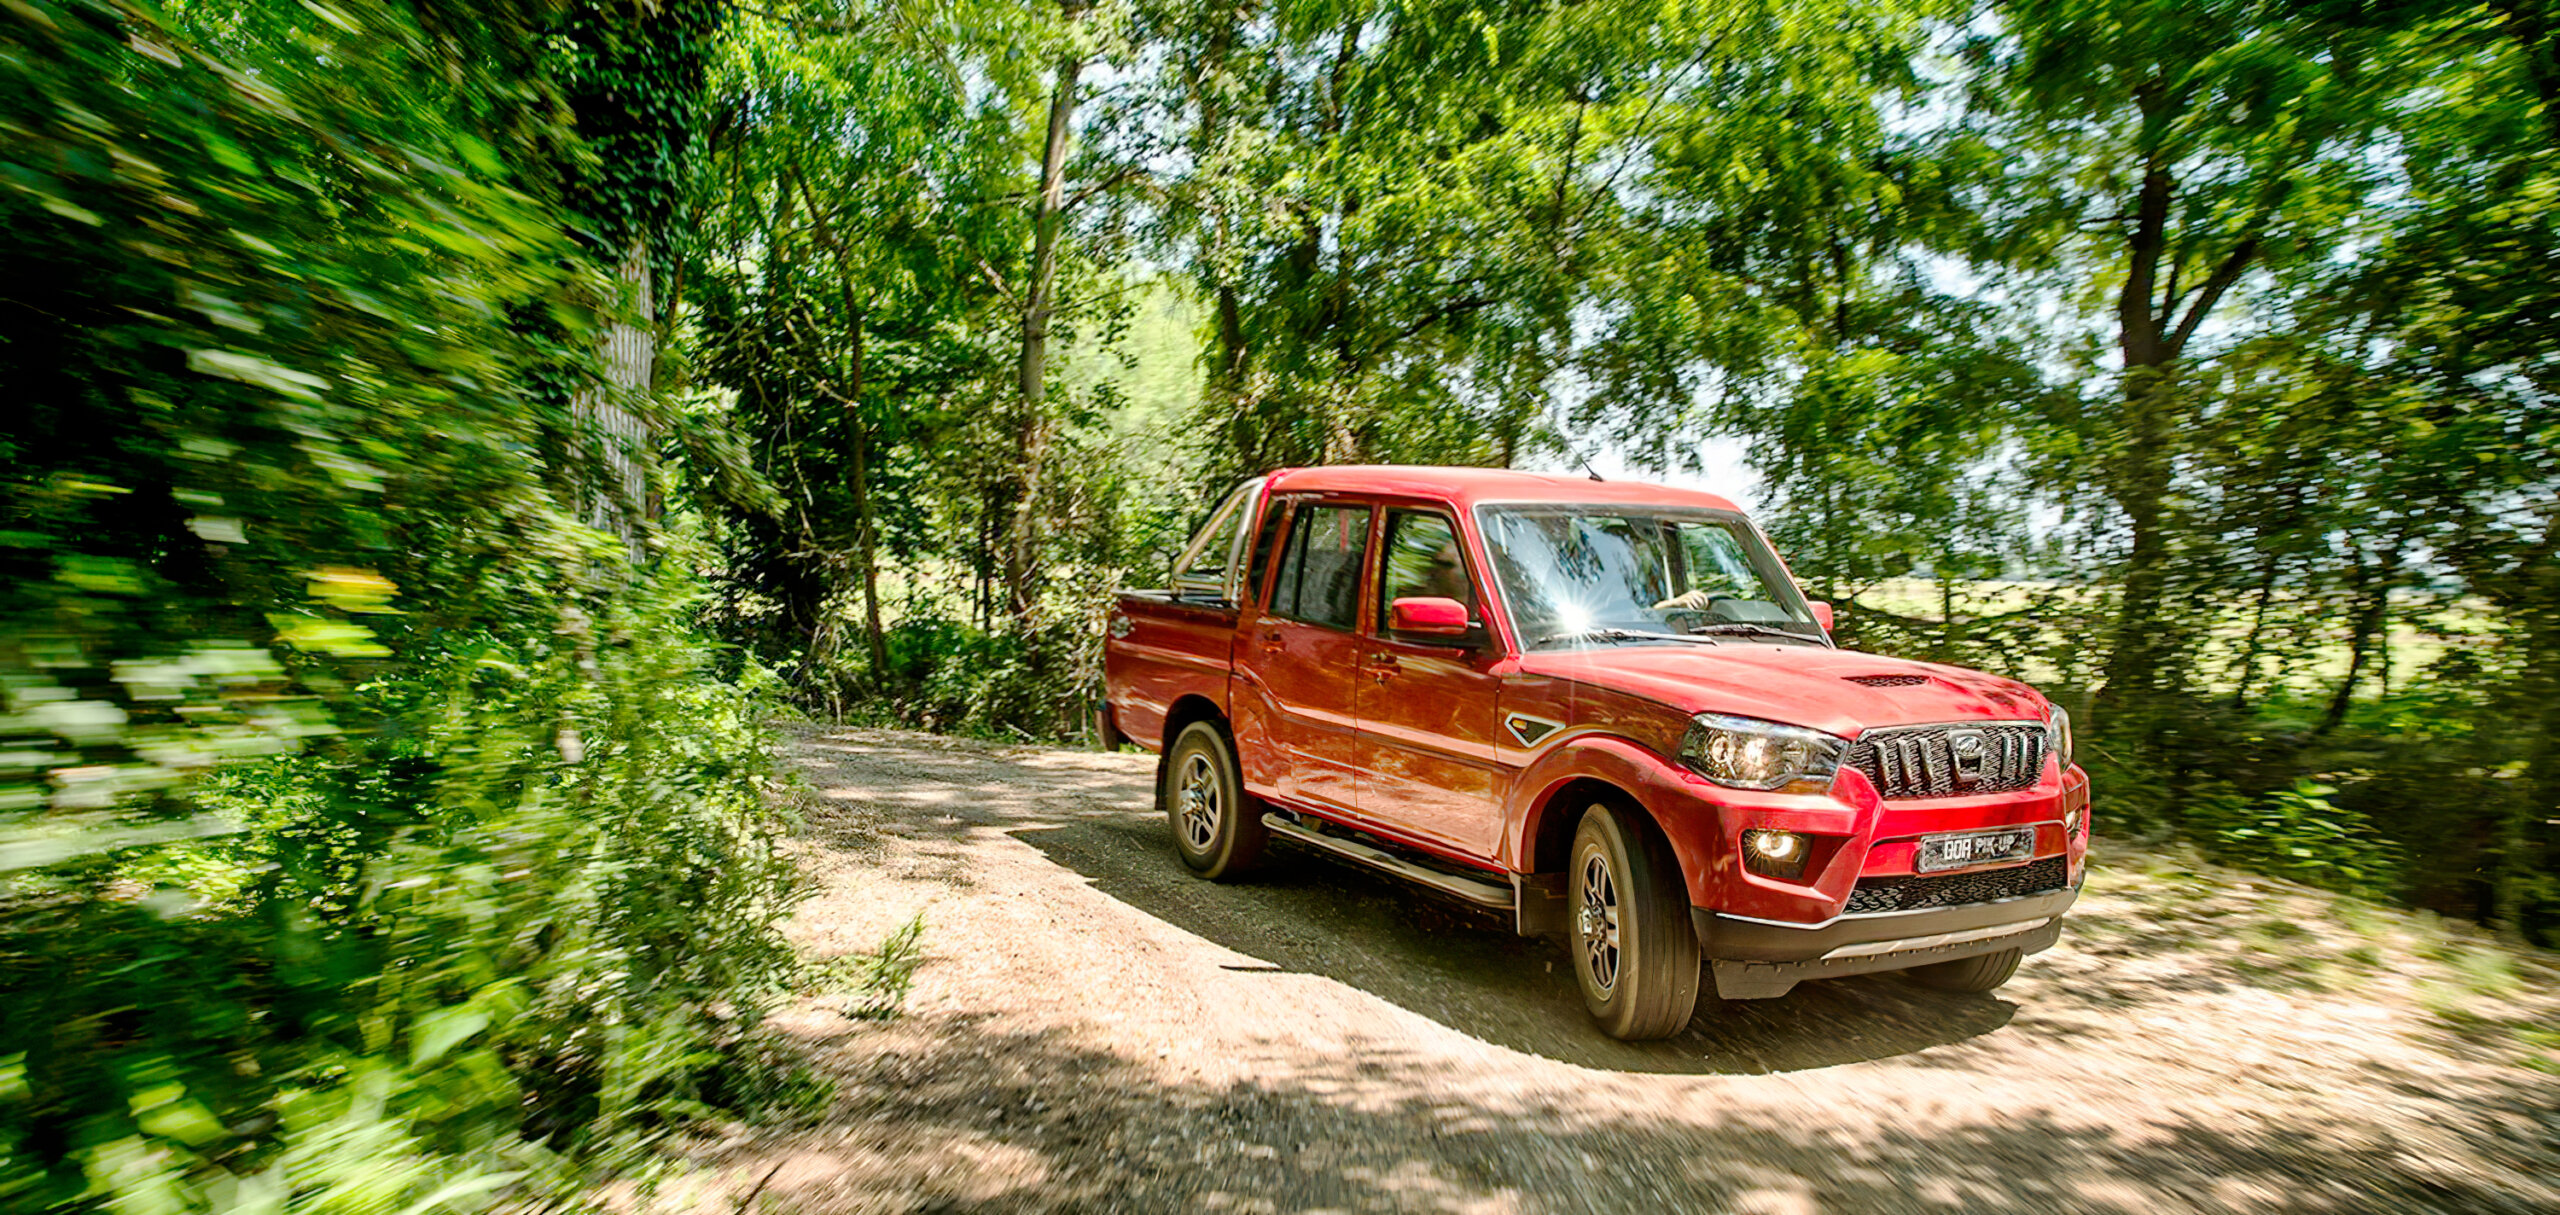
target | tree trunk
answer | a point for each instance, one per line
(1031, 431)
(983, 563)
(2373, 608)
(619, 435)
(1343, 441)
(2256, 645)
(856, 319)
(865, 531)
(1226, 374)
(2142, 475)
(1946, 614)
(1224, 391)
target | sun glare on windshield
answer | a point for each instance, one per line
(1568, 571)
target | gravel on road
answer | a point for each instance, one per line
(1094, 1029)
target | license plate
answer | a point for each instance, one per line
(1975, 848)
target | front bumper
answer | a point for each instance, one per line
(1758, 959)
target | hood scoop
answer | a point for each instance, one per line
(1888, 681)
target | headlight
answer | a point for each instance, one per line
(2057, 728)
(1750, 754)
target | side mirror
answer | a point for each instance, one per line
(1427, 616)
(1822, 614)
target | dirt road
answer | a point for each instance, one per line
(1094, 1029)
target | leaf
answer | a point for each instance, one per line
(253, 370)
(465, 1188)
(443, 1029)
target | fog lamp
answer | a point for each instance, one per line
(1777, 854)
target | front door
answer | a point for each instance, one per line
(1427, 706)
(1301, 656)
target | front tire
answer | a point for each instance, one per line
(1217, 827)
(1975, 974)
(1635, 954)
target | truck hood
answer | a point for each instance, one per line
(1836, 691)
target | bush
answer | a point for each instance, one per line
(536, 907)
(2299, 833)
(372, 835)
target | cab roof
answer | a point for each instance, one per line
(1469, 486)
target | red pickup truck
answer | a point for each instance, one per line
(1606, 709)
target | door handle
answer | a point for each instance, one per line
(1383, 666)
(1271, 641)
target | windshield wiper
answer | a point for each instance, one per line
(1619, 635)
(1739, 629)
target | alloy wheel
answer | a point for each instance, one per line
(1597, 923)
(1202, 800)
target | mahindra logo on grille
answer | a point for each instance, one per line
(1970, 749)
(1950, 760)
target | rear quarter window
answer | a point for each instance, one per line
(1318, 581)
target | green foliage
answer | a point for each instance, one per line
(372, 836)
(2299, 833)
(2197, 359)
(2188, 358)
(876, 983)
(509, 944)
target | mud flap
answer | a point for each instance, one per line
(1540, 905)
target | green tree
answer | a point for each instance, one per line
(2161, 155)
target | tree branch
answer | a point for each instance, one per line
(1446, 311)
(2233, 266)
(1125, 175)
(802, 25)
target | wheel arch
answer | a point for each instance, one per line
(1548, 844)
(1178, 717)
(1572, 776)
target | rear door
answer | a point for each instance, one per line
(1428, 705)
(1298, 658)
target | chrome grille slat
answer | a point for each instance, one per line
(1921, 761)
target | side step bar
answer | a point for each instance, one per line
(1482, 894)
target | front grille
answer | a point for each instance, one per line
(1944, 761)
(1888, 681)
(1874, 895)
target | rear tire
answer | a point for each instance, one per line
(1634, 951)
(1217, 827)
(1975, 974)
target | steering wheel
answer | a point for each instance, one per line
(1685, 618)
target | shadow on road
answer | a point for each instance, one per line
(1312, 914)
(954, 1115)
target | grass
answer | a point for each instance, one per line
(2453, 978)
(875, 983)
(2542, 1043)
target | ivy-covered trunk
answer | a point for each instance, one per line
(633, 79)
(610, 412)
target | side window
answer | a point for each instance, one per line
(1319, 577)
(1423, 560)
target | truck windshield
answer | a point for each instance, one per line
(1571, 574)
